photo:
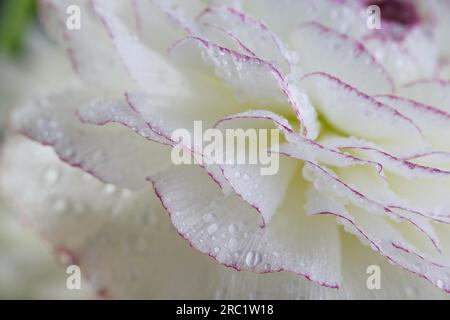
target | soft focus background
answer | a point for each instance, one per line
(28, 266)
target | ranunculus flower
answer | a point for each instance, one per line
(365, 120)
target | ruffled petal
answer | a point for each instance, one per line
(252, 36)
(410, 58)
(90, 50)
(370, 119)
(148, 68)
(160, 23)
(435, 93)
(342, 57)
(255, 80)
(382, 237)
(343, 16)
(226, 228)
(434, 123)
(110, 153)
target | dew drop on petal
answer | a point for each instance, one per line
(231, 228)
(60, 205)
(253, 259)
(99, 156)
(51, 176)
(110, 189)
(212, 228)
(69, 152)
(232, 244)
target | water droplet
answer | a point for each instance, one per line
(110, 189)
(99, 156)
(212, 228)
(233, 244)
(231, 228)
(237, 175)
(69, 152)
(51, 176)
(440, 284)
(308, 174)
(253, 259)
(318, 184)
(60, 205)
(246, 177)
(208, 217)
(242, 226)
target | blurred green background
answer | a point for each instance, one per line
(28, 268)
(15, 17)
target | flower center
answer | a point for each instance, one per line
(399, 12)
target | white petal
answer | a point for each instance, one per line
(434, 123)
(111, 153)
(272, 178)
(148, 68)
(285, 15)
(413, 57)
(382, 237)
(252, 34)
(90, 50)
(322, 49)
(227, 228)
(369, 118)
(435, 93)
(161, 23)
(254, 80)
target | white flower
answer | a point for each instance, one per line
(366, 144)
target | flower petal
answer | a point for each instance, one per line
(434, 123)
(152, 120)
(437, 93)
(121, 239)
(89, 49)
(412, 57)
(227, 228)
(252, 34)
(262, 185)
(396, 284)
(161, 22)
(342, 57)
(111, 153)
(382, 237)
(148, 68)
(344, 16)
(370, 119)
(270, 190)
(255, 80)
(107, 239)
(153, 26)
